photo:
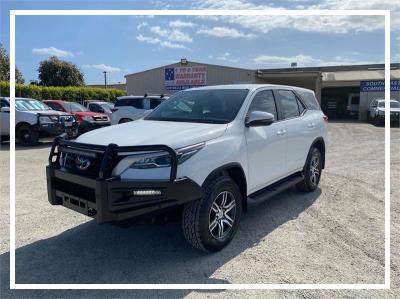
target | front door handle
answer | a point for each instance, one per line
(281, 132)
(311, 125)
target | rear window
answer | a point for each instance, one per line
(309, 99)
(137, 103)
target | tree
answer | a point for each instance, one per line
(57, 72)
(5, 67)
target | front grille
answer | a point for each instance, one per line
(72, 162)
(100, 118)
(75, 189)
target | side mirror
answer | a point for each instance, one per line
(5, 109)
(259, 118)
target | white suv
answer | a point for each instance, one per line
(35, 120)
(209, 151)
(130, 108)
(376, 111)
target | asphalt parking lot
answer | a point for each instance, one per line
(333, 235)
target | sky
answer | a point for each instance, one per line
(122, 45)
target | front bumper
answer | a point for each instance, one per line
(110, 199)
(56, 129)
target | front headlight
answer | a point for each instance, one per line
(162, 159)
(48, 119)
(155, 160)
(87, 118)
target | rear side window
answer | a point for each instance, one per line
(136, 103)
(309, 99)
(264, 101)
(288, 103)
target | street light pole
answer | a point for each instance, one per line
(105, 79)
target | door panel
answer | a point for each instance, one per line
(301, 132)
(301, 129)
(265, 145)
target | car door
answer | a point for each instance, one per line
(301, 128)
(265, 144)
(5, 119)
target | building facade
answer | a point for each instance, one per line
(336, 87)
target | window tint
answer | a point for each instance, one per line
(54, 106)
(154, 103)
(301, 106)
(95, 108)
(288, 102)
(4, 103)
(309, 99)
(137, 103)
(264, 101)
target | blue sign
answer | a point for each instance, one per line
(178, 78)
(378, 86)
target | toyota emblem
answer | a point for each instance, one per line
(82, 163)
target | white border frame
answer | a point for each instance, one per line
(385, 13)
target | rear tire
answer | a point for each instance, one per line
(27, 136)
(125, 120)
(210, 223)
(312, 171)
(376, 121)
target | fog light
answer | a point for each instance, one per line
(146, 192)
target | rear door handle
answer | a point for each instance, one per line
(311, 125)
(281, 132)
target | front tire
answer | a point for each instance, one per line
(27, 136)
(210, 223)
(312, 171)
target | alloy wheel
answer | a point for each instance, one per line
(315, 169)
(222, 215)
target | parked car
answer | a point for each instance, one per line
(35, 120)
(100, 107)
(376, 111)
(353, 104)
(87, 120)
(210, 151)
(129, 108)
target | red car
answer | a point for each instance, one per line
(87, 120)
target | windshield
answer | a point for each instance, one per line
(30, 105)
(202, 106)
(393, 104)
(74, 107)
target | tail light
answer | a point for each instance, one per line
(325, 118)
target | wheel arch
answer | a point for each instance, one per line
(319, 143)
(22, 123)
(236, 173)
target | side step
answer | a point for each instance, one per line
(273, 189)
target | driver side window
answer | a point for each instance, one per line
(264, 101)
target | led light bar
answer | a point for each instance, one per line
(146, 192)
